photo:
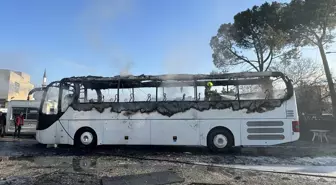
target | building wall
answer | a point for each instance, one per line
(4, 85)
(19, 86)
(13, 86)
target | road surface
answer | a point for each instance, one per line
(26, 162)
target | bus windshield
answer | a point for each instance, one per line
(53, 94)
(50, 99)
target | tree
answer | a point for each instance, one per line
(254, 31)
(312, 22)
(302, 71)
(308, 79)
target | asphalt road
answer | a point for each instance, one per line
(25, 161)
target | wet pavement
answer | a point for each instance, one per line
(25, 161)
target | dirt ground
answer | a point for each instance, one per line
(87, 170)
(25, 162)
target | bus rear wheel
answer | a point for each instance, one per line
(85, 138)
(220, 140)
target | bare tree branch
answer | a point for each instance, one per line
(269, 55)
(242, 58)
(269, 64)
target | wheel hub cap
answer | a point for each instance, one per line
(86, 138)
(84, 164)
(220, 141)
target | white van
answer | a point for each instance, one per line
(3, 110)
(30, 112)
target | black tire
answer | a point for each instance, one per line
(220, 133)
(86, 131)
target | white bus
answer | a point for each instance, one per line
(30, 113)
(247, 110)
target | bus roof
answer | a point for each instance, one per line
(24, 103)
(178, 77)
(244, 78)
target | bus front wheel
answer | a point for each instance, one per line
(85, 138)
(220, 140)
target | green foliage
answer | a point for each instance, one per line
(310, 22)
(254, 31)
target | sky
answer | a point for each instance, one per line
(107, 38)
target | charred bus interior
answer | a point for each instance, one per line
(166, 94)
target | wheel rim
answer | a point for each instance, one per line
(85, 164)
(220, 141)
(86, 138)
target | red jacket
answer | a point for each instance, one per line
(19, 120)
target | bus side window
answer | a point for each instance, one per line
(144, 94)
(17, 110)
(254, 92)
(200, 95)
(32, 113)
(186, 93)
(68, 95)
(124, 95)
(91, 96)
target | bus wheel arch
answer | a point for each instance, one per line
(220, 139)
(86, 137)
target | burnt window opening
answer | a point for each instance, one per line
(176, 91)
(267, 89)
(16, 112)
(142, 94)
(32, 113)
(89, 95)
(182, 88)
(67, 95)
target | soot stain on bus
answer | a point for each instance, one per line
(169, 108)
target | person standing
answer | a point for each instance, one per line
(18, 124)
(207, 91)
(2, 124)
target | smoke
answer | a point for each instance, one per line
(125, 70)
(180, 59)
(96, 20)
(99, 14)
